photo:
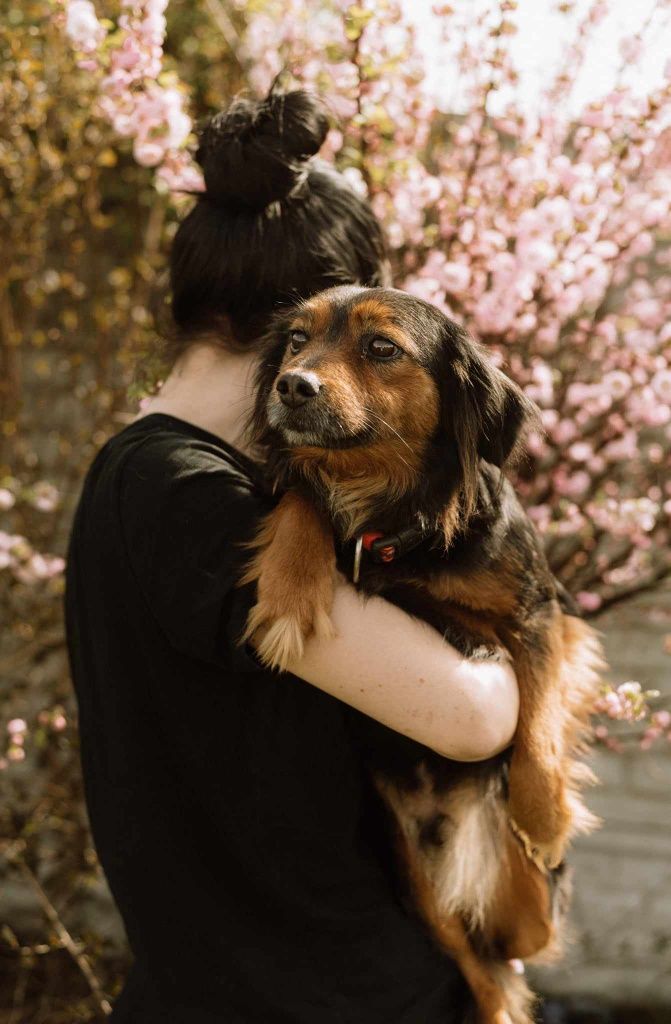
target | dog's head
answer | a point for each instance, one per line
(353, 371)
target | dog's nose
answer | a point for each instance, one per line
(297, 387)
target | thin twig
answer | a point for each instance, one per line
(224, 24)
(15, 856)
(55, 638)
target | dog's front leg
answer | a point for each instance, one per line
(294, 570)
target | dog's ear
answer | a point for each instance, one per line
(271, 353)
(484, 413)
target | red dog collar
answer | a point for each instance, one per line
(386, 548)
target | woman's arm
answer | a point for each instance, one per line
(400, 671)
(382, 661)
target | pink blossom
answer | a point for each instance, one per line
(588, 601)
(641, 244)
(494, 313)
(617, 383)
(456, 277)
(631, 49)
(548, 234)
(661, 384)
(564, 432)
(45, 496)
(82, 26)
(7, 499)
(39, 567)
(179, 173)
(661, 719)
(547, 337)
(135, 102)
(148, 153)
(581, 451)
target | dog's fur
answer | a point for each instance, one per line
(420, 438)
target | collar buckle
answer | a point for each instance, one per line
(379, 547)
(384, 548)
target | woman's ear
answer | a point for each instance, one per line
(486, 414)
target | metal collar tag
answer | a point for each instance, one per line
(357, 559)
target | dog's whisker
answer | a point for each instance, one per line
(372, 412)
(402, 439)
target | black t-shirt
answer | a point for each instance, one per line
(229, 805)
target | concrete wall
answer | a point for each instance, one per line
(621, 915)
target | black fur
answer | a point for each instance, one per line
(483, 418)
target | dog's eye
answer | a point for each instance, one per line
(382, 348)
(297, 340)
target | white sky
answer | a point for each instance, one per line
(541, 39)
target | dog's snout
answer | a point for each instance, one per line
(297, 387)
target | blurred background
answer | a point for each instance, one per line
(518, 155)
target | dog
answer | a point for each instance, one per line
(388, 429)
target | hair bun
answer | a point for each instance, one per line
(256, 152)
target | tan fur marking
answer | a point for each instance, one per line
(374, 315)
(359, 480)
(539, 803)
(481, 591)
(403, 415)
(558, 687)
(463, 871)
(370, 309)
(452, 520)
(295, 593)
(520, 921)
(343, 391)
(318, 313)
(489, 990)
(408, 401)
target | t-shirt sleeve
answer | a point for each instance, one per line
(186, 518)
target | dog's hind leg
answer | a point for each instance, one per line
(539, 802)
(451, 934)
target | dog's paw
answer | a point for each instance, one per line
(281, 633)
(547, 854)
(282, 643)
(544, 855)
(294, 570)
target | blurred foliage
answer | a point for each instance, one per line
(84, 236)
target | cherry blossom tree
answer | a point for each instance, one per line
(546, 233)
(545, 230)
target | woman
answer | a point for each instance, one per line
(230, 808)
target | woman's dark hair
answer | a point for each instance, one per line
(274, 224)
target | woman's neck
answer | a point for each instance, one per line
(211, 388)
